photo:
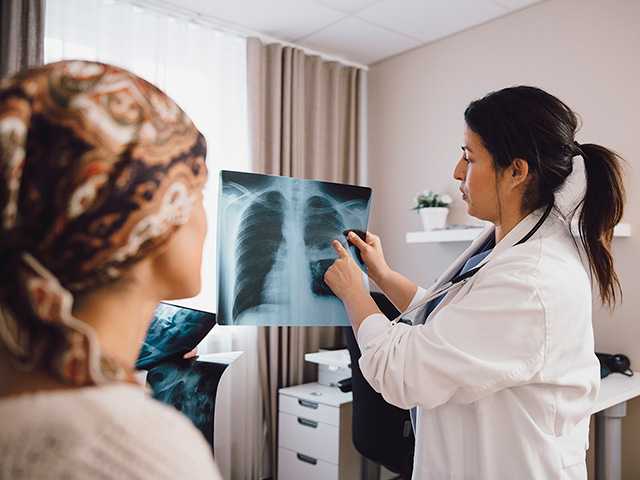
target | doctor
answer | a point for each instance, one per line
(501, 367)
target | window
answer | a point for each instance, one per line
(202, 69)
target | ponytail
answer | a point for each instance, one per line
(602, 209)
(528, 123)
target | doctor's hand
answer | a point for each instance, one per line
(344, 277)
(372, 255)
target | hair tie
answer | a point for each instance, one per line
(577, 149)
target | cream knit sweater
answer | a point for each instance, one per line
(105, 432)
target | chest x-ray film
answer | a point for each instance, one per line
(173, 332)
(274, 247)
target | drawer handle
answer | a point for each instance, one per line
(306, 459)
(307, 423)
(308, 404)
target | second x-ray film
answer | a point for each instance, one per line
(274, 247)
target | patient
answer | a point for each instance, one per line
(101, 217)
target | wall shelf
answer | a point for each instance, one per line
(471, 233)
(445, 235)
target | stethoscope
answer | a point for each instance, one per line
(459, 280)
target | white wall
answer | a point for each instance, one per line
(587, 52)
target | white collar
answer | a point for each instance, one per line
(522, 228)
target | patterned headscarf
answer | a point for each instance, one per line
(98, 168)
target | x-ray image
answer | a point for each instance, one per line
(173, 331)
(274, 247)
(191, 386)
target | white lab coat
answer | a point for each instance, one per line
(503, 372)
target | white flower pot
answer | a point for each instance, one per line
(434, 218)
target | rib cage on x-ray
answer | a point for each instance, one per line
(322, 217)
(260, 230)
(274, 247)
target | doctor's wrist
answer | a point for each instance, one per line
(354, 294)
(381, 276)
(359, 307)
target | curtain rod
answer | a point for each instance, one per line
(170, 9)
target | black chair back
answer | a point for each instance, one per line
(381, 431)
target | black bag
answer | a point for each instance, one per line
(614, 363)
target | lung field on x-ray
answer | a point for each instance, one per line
(322, 220)
(274, 247)
(259, 240)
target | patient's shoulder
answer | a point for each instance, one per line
(116, 428)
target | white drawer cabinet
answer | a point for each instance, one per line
(297, 465)
(314, 434)
(317, 439)
(313, 410)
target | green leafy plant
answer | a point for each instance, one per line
(429, 199)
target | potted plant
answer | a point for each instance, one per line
(433, 209)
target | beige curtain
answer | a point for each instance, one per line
(303, 120)
(21, 35)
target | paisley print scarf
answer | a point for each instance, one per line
(98, 168)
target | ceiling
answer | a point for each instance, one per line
(361, 31)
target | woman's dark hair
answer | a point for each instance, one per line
(529, 123)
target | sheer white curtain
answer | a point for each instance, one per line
(204, 71)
